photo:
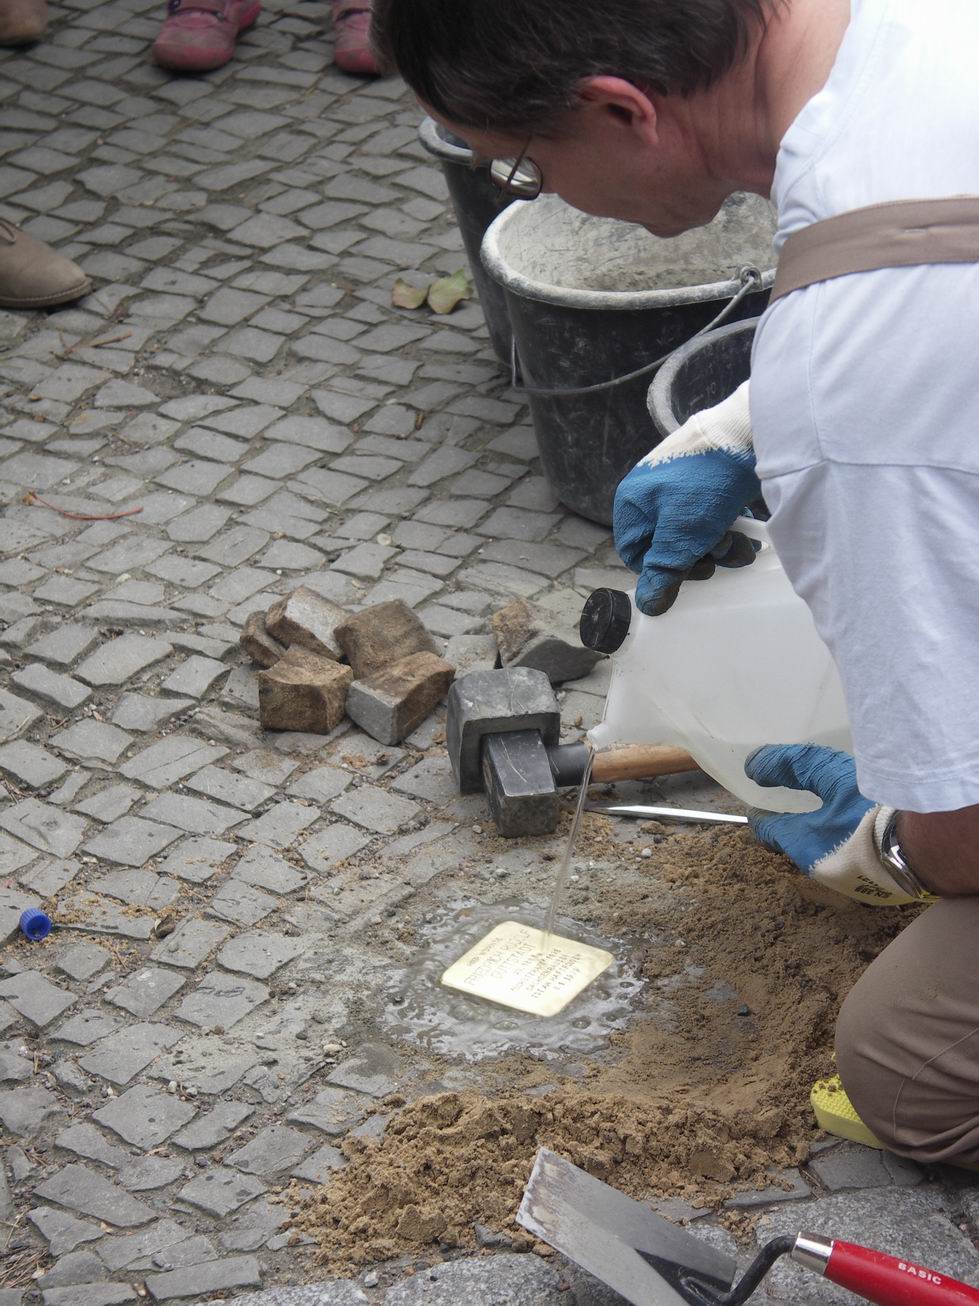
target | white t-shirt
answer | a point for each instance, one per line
(865, 405)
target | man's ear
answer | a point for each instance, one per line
(623, 102)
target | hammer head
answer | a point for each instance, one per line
(493, 703)
(523, 797)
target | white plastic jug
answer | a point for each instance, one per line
(735, 663)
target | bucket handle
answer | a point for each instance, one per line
(754, 528)
(750, 279)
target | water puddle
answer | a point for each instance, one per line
(418, 1009)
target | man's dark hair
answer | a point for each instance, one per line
(517, 64)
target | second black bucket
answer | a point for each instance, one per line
(591, 300)
(476, 202)
(700, 374)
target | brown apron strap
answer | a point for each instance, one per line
(904, 233)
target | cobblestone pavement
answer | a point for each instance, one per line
(239, 376)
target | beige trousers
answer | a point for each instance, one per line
(907, 1038)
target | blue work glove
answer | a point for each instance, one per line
(673, 511)
(839, 844)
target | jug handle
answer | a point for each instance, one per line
(753, 528)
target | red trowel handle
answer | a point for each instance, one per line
(887, 1280)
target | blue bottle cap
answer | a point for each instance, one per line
(35, 924)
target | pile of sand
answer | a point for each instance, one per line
(707, 1093)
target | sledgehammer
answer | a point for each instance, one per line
(502, 734)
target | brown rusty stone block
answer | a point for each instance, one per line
(391, 703)
(307, 619)
(303, 691)
(513, 625)
(381, 635)
(258, 643)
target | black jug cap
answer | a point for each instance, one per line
(605, 620)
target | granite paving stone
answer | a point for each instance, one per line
(332, 1292)
(851, 1166)
(259, 953)
(197, 860)
(86, 1141)
(15, 1063)
(139, 888)
(375, 808)
(263, 869)
(207, 1131)
(76, 1268)
(30, 764)
(83, 960)
(324, 850)
(148, 1173)
(16, 714)
(131, 841)
(228, 787)
(254, 1227)
(52, 687)
(194, 815)
(64, 644)
(169, 759)
(117, 661)
(63, 1232)
(191, 943)
(145, 1117)
(121, 1250)
(92, 741)
(136, 711)
(241, 903)
(271, 1151)
(194, 677)
(371, 1071)
(208, 1062)
(92, 1294)
(319, 1167)
(34, 997)
(281, 825)
(86, 1026)
(109, 803)
(221, 1190)
(211, 1276)
(221, 1000)
(124, 922)
(145, 991)
(79, 1188)
(119, 1061)
(24, 1110)
(507, 1278)
(320, 784)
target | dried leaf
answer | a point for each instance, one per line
(444, 294)
(407, 296)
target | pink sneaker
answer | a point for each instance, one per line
(352, 51)
(199, 35)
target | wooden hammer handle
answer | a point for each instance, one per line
(640, 762)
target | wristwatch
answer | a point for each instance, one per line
(895, 863)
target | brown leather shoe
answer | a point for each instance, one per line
(33, 275)
(22, 22)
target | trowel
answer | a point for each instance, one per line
(651, 1262)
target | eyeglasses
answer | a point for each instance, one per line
(519, 177)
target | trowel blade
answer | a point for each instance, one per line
(643, 812)
(643, 1257)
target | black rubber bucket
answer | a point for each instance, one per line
(701, 374)
(476, 202)
(591, 300)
